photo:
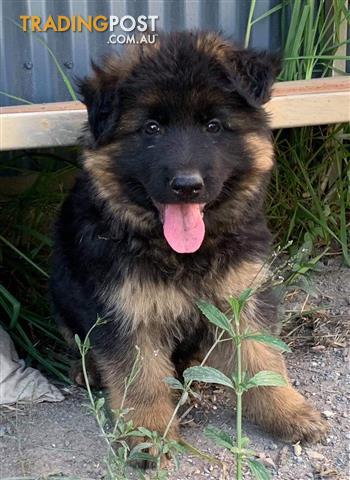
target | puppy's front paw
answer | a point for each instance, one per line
(307, 425)
(286, 414)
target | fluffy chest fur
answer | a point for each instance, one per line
(147, 296)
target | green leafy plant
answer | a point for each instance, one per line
(119, 454)
(239, 381)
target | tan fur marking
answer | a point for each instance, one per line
(98, 165)
(130, 120)
(251, 187)
(144, 302)
(247, 274)
(150, 98)
(137, 51)
(111, 71)
(261, 149)
(107, 185)
(211, 44)
(149, 396)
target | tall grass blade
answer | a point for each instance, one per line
(14, 97)
(24, 256)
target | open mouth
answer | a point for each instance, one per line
(183, 225)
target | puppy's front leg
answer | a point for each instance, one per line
(148, 396)
(281, 410)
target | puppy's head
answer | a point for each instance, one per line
(177, 129)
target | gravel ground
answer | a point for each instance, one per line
(39, 441)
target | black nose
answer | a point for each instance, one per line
(187, 185)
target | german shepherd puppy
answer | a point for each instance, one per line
(168, 209)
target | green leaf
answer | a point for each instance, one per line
(238, 303)
(100, 321)
(236, 307)
(77, 340)
(268, 340)
(258, 470)
(244, 442)
(133, 433)
(245, 295)
(102, 418)
(220, 438)
(215, 316)
(87, 343)
(173, 383)
(99, 403)
(129, 426)
(208, 375)
(139, 447)
(266, 378)
(145, 432)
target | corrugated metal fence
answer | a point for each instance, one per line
(29, 71)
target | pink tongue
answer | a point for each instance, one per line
(184, 227)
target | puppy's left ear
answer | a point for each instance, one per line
(99, 93)
(254, 74)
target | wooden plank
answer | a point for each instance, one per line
(306, 87)
(293, 104)
(311, 109)
(43, 107)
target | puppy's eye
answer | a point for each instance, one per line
(152, 127)
(214, 126)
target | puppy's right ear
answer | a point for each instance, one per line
(253, 73)
(100, 95)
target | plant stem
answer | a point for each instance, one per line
(239, 392)
(128, 381)
(239, 411)
(25, 257)
(83, 352)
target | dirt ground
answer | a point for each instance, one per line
(62, 440)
